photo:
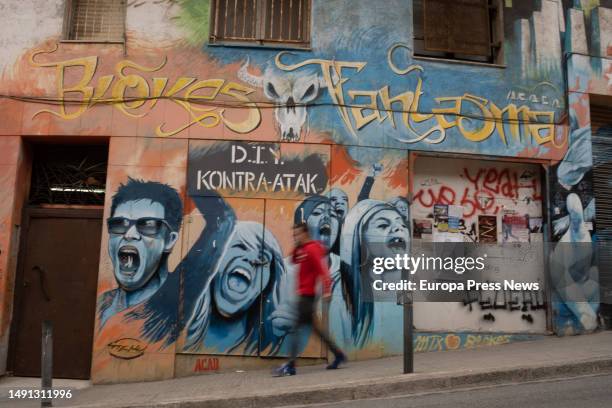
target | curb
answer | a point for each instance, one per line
(389, 386)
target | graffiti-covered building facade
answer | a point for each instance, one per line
(155, 155)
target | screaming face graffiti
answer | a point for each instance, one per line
(339, 201)
(323, 224)
(386, 233)
(239, 280)
(138, 237)
(143, 229)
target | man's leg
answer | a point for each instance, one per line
(304, 311)
(322, 332)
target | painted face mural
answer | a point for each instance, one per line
(372, 228)
(386, 234)
(339, 202)
(401, 205)
(236, 312)
(320, 217)
(240, 276)
(139, 236)
(323, 224)
(143, 229)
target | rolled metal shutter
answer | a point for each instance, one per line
(601, 125)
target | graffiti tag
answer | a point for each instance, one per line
(126, 348)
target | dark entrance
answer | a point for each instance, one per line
(58, 260)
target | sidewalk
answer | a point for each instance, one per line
(523, 361)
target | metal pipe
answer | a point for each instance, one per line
(46, 364)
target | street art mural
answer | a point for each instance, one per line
(143, 229)
(228, 147)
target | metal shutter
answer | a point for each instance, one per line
(457, 26)
(601, 125)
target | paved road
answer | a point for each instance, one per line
(580, 392)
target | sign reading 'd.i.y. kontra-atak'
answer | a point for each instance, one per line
(256, 169)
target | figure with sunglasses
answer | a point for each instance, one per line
(143, 229)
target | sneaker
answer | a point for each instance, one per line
(339, 359)
(284, 370)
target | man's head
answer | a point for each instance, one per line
(143, 227)
(300, 233)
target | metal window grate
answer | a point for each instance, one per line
(285, 21)
(74, 175)
(96, 20)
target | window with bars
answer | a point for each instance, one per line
(469, 30)
(266, 22)
(95, 20)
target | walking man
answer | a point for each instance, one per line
(309, 256)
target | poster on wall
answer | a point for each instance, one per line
(455, 212)
(535, 229)
(487, 229)
(535, 225)
(422, 227)
(441, 217)
(515, 228)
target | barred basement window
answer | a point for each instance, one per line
(95, 20)
(469, 30)
(265, 22)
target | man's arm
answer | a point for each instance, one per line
(364, 194)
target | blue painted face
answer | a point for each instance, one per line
(136, 253)
(386, 234)
(339, 201)
(239, 282)
(402, 207)
(323, 224)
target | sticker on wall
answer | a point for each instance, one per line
(487, 229)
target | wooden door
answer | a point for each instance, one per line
(57, 281)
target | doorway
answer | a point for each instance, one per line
(58, 259)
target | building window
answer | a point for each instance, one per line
(95, 20)
(469, 30)
(265, 22)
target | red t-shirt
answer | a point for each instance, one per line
(310, 257)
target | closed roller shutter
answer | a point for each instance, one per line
(601, 124)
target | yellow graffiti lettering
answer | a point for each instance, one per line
(130, 90)
(454, 110)
(241, 93)
(488, 125)
(88, 65)
(404, 100)
(536, 128)
(135, 82)
(358, 109)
